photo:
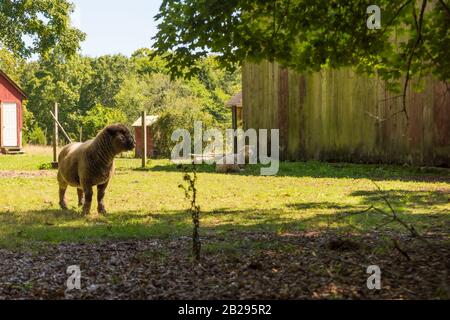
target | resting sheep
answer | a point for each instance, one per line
(88, 164)
(230, 161)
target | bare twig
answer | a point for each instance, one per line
(397, 13)
(376, 117)
(384, 224)
(276, 28)
(390, 98)
(403, 252)
(395, 217)
(190, 192)
(411, 56)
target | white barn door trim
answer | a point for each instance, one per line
(9, 124)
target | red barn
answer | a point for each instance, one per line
(137, 125)
(11, 97)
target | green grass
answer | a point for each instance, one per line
(24, 161)
(143, 204)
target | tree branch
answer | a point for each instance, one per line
(397, 13)
(446, 8)
(411, 56)
(276, 29)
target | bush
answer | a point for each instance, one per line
(177, 118)
(32, 133)
(35, 136)
(99, 117)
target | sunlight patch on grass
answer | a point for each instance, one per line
(143, 204)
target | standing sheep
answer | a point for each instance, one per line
(88, 164)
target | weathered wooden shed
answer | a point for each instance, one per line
(237, 118)
(11, 98)
(336, 115)
(149, 121)
(235, 103)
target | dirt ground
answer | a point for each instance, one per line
(265, 266)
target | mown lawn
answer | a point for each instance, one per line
(146, 204)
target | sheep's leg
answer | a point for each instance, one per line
(100, 195)
(87, 199)
(80, 197)
(62, 192)
(62, 198)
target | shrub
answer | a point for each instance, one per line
(99, 117)
(35, 136)
(182, 117)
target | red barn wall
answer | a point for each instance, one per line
(337, 115)
(8, 93)
(138, 137)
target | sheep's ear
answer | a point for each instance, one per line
(111, 130)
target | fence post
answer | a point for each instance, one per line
(234, 125)
(144, 139)
(55, 137)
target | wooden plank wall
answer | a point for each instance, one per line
(336, 115)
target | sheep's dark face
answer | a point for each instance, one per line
(121, 138)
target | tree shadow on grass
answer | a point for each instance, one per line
(405, 198)
(424, 209)
(132, 225)
(318, 205)
(175, 225)
(33, 216)
(316, 169)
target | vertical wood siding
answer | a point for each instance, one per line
(138, 139)
(336, 115)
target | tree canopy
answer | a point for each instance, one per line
(92, 92)
(35, 27)
(306, 35)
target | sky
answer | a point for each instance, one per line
(115, 26)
